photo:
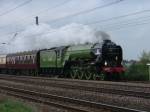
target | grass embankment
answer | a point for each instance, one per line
(14, 106)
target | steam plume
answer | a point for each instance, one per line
(43, 36)
(103, 35)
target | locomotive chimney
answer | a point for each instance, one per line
(107, 40)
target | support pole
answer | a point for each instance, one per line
(149, 73)
(148, 64)
(37, 20)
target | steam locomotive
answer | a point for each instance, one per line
(85, 61)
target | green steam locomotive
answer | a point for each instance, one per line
(85, 61)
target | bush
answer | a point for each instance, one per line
(137, 72)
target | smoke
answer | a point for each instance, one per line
(103, 35)
(43, 36)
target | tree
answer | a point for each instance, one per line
(139, 70)
(145, 57)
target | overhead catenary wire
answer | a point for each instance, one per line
(42, 11)
(86, 11)
(56, 6)
(119, 17)
(129, 25)
(75, 14)
(82, 12)
(45, 10)
(12, 9)
(126, 22)
(9, 33)
(104, 20)
(122, 25)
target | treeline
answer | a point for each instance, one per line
(138, 71)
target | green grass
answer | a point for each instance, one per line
(14, 106)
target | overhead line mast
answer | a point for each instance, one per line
(37, 20)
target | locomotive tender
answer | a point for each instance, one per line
(84, 61)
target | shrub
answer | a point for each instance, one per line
(137, 72)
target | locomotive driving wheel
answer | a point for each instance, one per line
(80, 74)
(102, 76)
(73, 73)
(94, 76)
(88, 75)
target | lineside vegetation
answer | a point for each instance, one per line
(138, 71)
(7, 105)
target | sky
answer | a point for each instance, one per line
(126, 21)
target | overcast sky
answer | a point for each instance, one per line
(131, 32)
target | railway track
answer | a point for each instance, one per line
(127, 84)
(127, 90)
(74, 105)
